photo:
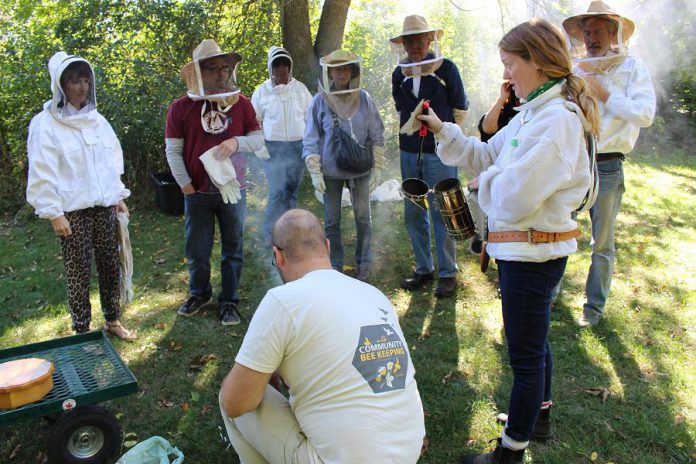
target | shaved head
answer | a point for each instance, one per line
(300, 235)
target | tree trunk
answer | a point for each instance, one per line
(297, 36)
(297, 39)
(331, 26)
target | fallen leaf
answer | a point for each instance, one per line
(166, 403)
(185, 406)
(140, 394)
(130, 443)
(197, 362)
(680, 445)
(15, 451)
(425, 334)
(161, 326)
(175, 346)
(425, 446)
(593, 456)
(206, 409)
(195, 396)
(119, 415)
(602, 392)
(448, 378)
(160, 260)
(130, 435)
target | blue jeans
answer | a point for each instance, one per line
(525, 290)
(603, 216)
(417, 221)
(200, 210)
(284, 170)
(360, 197)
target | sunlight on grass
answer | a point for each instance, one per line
(598, 354)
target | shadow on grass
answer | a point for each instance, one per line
(639, 408)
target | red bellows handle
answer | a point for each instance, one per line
(423, 131)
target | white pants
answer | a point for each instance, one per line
(270, 434)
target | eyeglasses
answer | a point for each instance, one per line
(273, 249)
(217, 69)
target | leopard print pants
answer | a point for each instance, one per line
(93, 230)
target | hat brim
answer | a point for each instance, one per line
(400, 38)
(573, 25)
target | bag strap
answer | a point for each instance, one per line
(591, 144)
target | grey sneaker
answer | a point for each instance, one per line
(194, 304)
(589, 318)
(229, 314)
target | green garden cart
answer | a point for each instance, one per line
(87, 371)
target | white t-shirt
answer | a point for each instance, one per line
(337, 343)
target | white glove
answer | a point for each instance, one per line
(380, 161)
(313, 163)
(230, 191)
(262, 154)
(375, 177)
(412, 125)
(460, 117)
(222, 175)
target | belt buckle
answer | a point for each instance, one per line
(530, 237)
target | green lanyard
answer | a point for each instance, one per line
(541, 89)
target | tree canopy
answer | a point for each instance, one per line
(138, 47)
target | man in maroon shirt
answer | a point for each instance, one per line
(213, 115)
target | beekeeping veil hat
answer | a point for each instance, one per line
(214, 83)
(57, 65)
(276, 55)
(344, 101)
(416, 25)
(623, 27)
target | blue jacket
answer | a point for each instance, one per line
(445, 91)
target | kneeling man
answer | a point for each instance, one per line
(337, 344)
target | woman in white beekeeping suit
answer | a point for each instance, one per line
(341, 100)
(75, 167)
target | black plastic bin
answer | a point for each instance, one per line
(168, 194)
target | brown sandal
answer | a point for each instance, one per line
(115, 328)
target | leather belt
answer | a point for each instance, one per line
(610, 156)
(531, 236)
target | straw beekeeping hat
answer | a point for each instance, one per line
(573, 25)
(208, 48)
(414, 25)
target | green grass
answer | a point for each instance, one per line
(642, 353)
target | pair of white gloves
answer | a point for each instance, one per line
(222, 174)
(313, 163)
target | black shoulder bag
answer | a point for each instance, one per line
(350, 155)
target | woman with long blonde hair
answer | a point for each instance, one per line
(533, 174)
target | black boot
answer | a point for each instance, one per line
(543, 431)
(542, 427)
(499, 455)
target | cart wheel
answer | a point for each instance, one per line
(86, 435)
